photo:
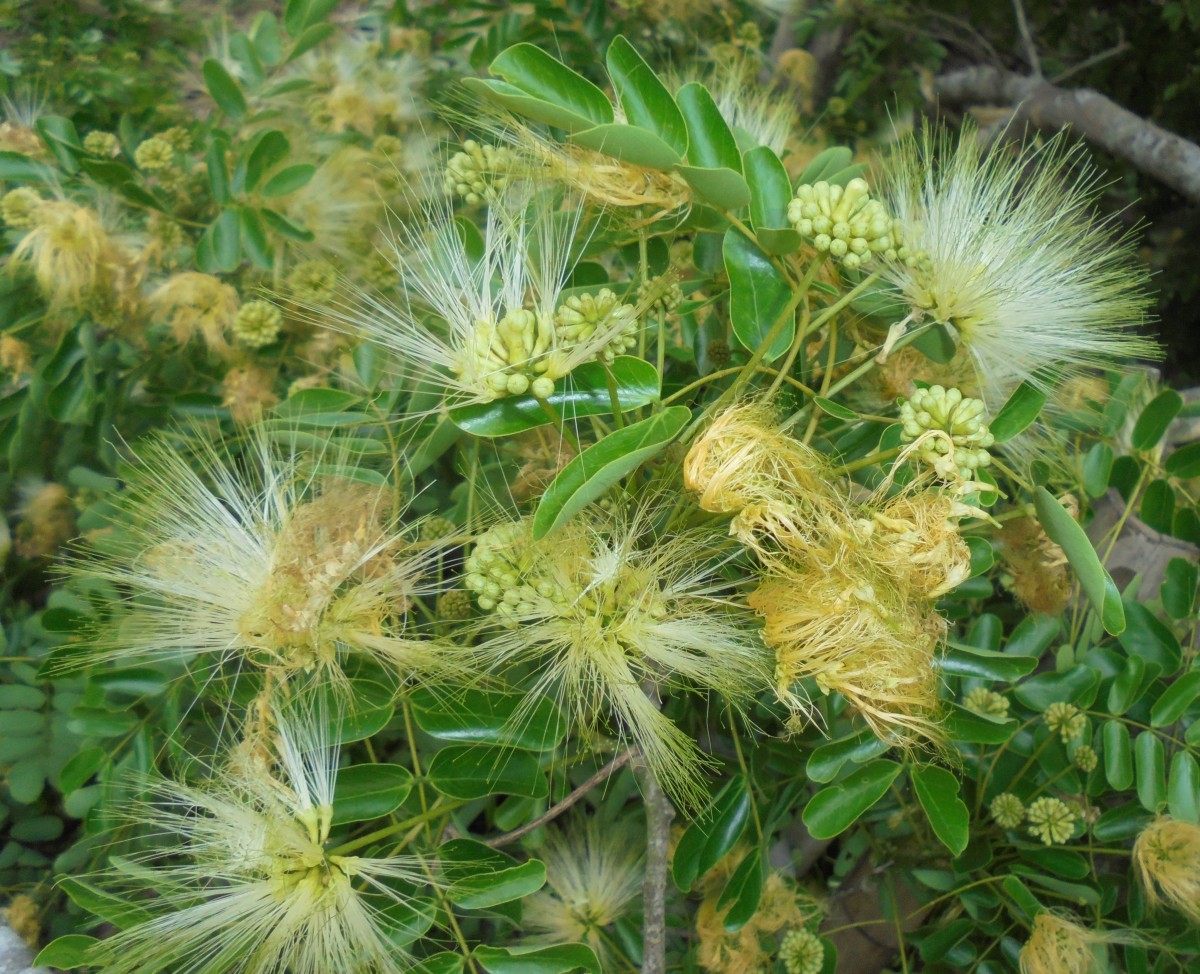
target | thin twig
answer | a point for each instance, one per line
(1120, 47)
(1031, 53)
(556, 810)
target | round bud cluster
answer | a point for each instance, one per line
(984, 701)
(1066, 720)
(502, 573)
(582, 315)
(845, 223)
(154, 154)
(1051, 820)
(103, 144)
(388, 146)
(961, 418)
(1085, 758)
(179, 138)
(504, 352)
(379, 271)
(661, 293)
(802, 952)
(719, 353)
(454, 605)
(1007, 810)
(437, 528)
(257, 324)
(479, 172)
(19, 208)
(313, 281)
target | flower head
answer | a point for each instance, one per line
(19, 207)
(605, 606)
(249, 885)
(844, 222)
(496, 329)
(950, 430)
(591, 879)
(1007, 810)
(1057, 945)
(802, 952)
(71, 254)
(260, 562)
(984, 701)
(193, 304)
(257, 323)
(1066, 720)
(1051, 820)
(1006, 249)
(1166, 857)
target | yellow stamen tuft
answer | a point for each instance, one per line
(1166, 857)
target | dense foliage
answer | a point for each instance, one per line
(500, 489)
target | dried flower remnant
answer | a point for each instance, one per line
(253, 561)
(783, 906)
(605, 606)
(72, 256)
(1166, 857)
(247, 391)
(1007, 250)
(1041, 575)
(47, 520)
(249, 885)
(194, 304)
(848, 592)
(591, 881)
(1057, 945)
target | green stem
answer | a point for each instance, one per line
(614, 396)
(867, 461)
(559, 424)
(373, 837)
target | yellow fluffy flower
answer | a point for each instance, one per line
(1166, 857)
(264, 560)
(249, 884)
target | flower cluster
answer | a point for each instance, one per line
(844, 222)
(961, 449)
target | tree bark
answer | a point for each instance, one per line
(1167, 157)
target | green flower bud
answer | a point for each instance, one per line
(844, 222)
(802, 952)
(1007, 810)
(155, 153)
(964, 421)
(19, 208)
(313, 282)
(582, 315)
(454, 605)
(479, 172)
(102, 144)
(257, 324)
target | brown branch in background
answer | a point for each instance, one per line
(1153, 150)
(654, 885)
(556, 810)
